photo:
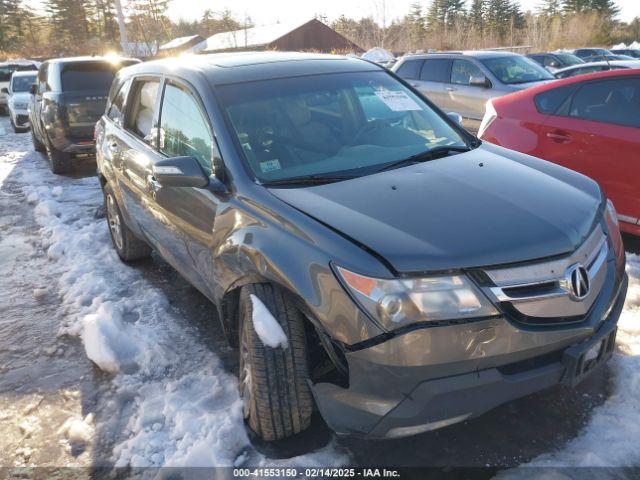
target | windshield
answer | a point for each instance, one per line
(22, 83)
(569, 59)
(516, 69)
(340, 124)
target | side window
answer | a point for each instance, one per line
(463, 70)
(139, 118)
(436, 70)
(550, 61)
(610, 101)
(549, 102)
(410, 69)
(116, 109)
(184, 130)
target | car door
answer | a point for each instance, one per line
(433, 75)
(597, 132)
(463, 98)
(189, 213)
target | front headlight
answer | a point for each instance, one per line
(399, 302)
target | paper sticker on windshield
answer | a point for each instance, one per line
(270, 166)
(397, 101)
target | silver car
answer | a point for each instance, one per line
(462, 82)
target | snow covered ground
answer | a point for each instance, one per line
(165, 398)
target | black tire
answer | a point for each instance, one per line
(58, 161)
(273, 381)
(38, 146)
(128, 246)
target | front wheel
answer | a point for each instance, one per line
(273, 380)
(128, 246)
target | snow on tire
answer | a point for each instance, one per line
(273, 381)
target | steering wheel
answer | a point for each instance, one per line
(369, 127)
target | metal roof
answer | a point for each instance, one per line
(178, 42)
(251, 37)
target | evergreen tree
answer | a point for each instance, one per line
(70, 26)
(606, 7)
(416, 24)
(477, 14)
(10, 30)
(551, 8)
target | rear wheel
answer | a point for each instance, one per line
(38, 146)
(128, 246)
(273, 381)
(58, 161)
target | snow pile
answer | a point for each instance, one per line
(608, 438)
(267, 327)
(78, 431)
(171, 403)
(378, 55)
(620, 46)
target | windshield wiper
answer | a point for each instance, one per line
(432, 154)
(308, 180)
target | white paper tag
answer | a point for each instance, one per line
(270, 166)
(397, 101)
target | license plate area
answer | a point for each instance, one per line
(580, 360)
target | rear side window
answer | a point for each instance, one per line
(184, 130)
(96, 76)
(436, 70)
(549, 102)
(609, 101)
(410, 69)
(139, 119)
(116, 109)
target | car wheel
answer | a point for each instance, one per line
(58, 161)
(128, 246)
(38, 146)
(277, 402)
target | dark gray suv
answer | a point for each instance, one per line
(366, 255)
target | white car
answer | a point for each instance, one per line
(19, 98)
(6, 69)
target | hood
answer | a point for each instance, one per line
(21, 97)
(474, 209)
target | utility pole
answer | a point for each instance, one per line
(124, 43)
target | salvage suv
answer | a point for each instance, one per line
(364, 253)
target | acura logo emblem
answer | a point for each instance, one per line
(577, 281)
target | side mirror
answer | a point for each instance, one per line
(456, 117)
(33, 89)
(4, 90)
(479, 81)
(180, 172)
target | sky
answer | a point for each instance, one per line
(264, 12)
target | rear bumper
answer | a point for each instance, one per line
(420, 381)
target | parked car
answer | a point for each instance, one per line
(6, 70)
(629, 52)
(554, 61)
(362, 251)
(592, 54)
(68, 99)
(589, 124)
(596, 67)
(463, 81)
(19, 98)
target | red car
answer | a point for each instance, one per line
(589, 123)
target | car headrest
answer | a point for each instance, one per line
(148, 94)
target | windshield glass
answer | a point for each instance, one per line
(342, 124)
(569, 59)
(516, 69)
(22, 84)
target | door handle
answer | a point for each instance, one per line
(153, 184)
(451, 89)
(559, 136)
(415, 85)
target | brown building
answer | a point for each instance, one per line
(312, 35)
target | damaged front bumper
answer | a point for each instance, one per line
(432, 377)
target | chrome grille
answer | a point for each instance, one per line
(543, 290)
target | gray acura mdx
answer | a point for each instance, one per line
(367, 256)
